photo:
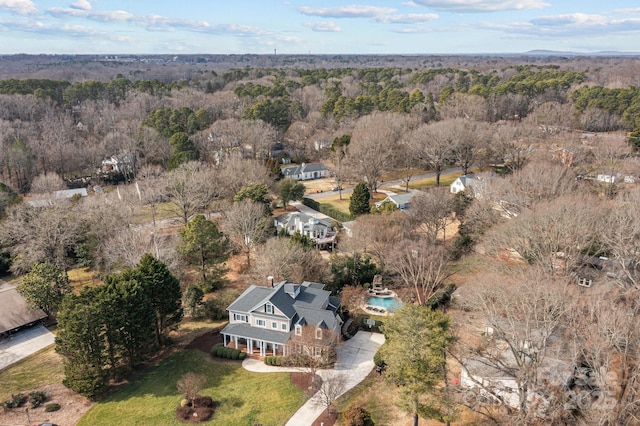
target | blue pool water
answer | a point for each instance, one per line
(391, 304)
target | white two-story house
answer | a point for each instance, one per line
(263, 320)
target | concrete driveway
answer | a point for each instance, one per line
(23, 344)
(354, 363)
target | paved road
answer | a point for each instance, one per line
(23, 344)
(354, 363)
(391, 184)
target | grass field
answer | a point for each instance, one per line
(144, 214)
(244, 398)
(445, 180)
(42, 368)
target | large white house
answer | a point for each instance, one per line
(264, 319)
(319, 230)
(306, 171)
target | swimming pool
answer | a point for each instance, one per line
(391, 304)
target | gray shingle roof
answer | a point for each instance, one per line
(303, 168)
(245, 330)
(312, 305)
(14, 311)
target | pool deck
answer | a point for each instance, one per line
(382, 294)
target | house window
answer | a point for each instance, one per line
(318, 333)
(298, 330)
(274, 324)
(284, 326)
(317, 351)
(239, 317)
(261, 323)
(268, 308)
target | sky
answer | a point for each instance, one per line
(317, 26)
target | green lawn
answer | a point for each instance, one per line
(245, 398)
(42, 368)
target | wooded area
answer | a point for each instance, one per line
(543, 245)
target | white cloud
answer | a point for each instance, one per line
(82, 5)
(482, 5)
(411, 18)
(325, 26)
(21, 7)
(409, 3)
(567, 25)
(100, 16)
(352, 11)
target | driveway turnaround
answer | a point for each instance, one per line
(354, 363)
(23, 344)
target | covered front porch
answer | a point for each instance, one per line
(254, 341)
(256, 348)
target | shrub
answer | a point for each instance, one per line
(357, 416)
(36, 398)
(215, 350)
(53, 406)
(441, 297)
(17, 400)
(235, 354)
(378, 361)
(242, 356)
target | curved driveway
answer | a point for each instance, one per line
(354, 361)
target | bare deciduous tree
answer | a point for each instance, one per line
(554, 235)
(334, 384)
(247, 225)
(47, 183)
(432, 209)
(46, 234)
(191, 188)
(189, 385)
(284, 259)
(422, 267)
(525, 310)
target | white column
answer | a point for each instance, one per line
(235, 340)
(249, 346)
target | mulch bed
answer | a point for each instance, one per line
(205, 342)
(204, 409)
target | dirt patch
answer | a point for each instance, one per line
(72, 408)
(205, 342)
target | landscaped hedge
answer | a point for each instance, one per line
(276, 360)
(220, 351)
(327, 209)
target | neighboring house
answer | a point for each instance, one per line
(492, 372)
(461, 183)
(306, 171)
(15, 313)
(609, 177)
(321, 231)
(124, 163)
(401, 201)
(266, 320)
(492, 382)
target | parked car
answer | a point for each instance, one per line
(336, 188)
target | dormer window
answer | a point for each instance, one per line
(318, 333)
(268, 308)
(298, 330)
